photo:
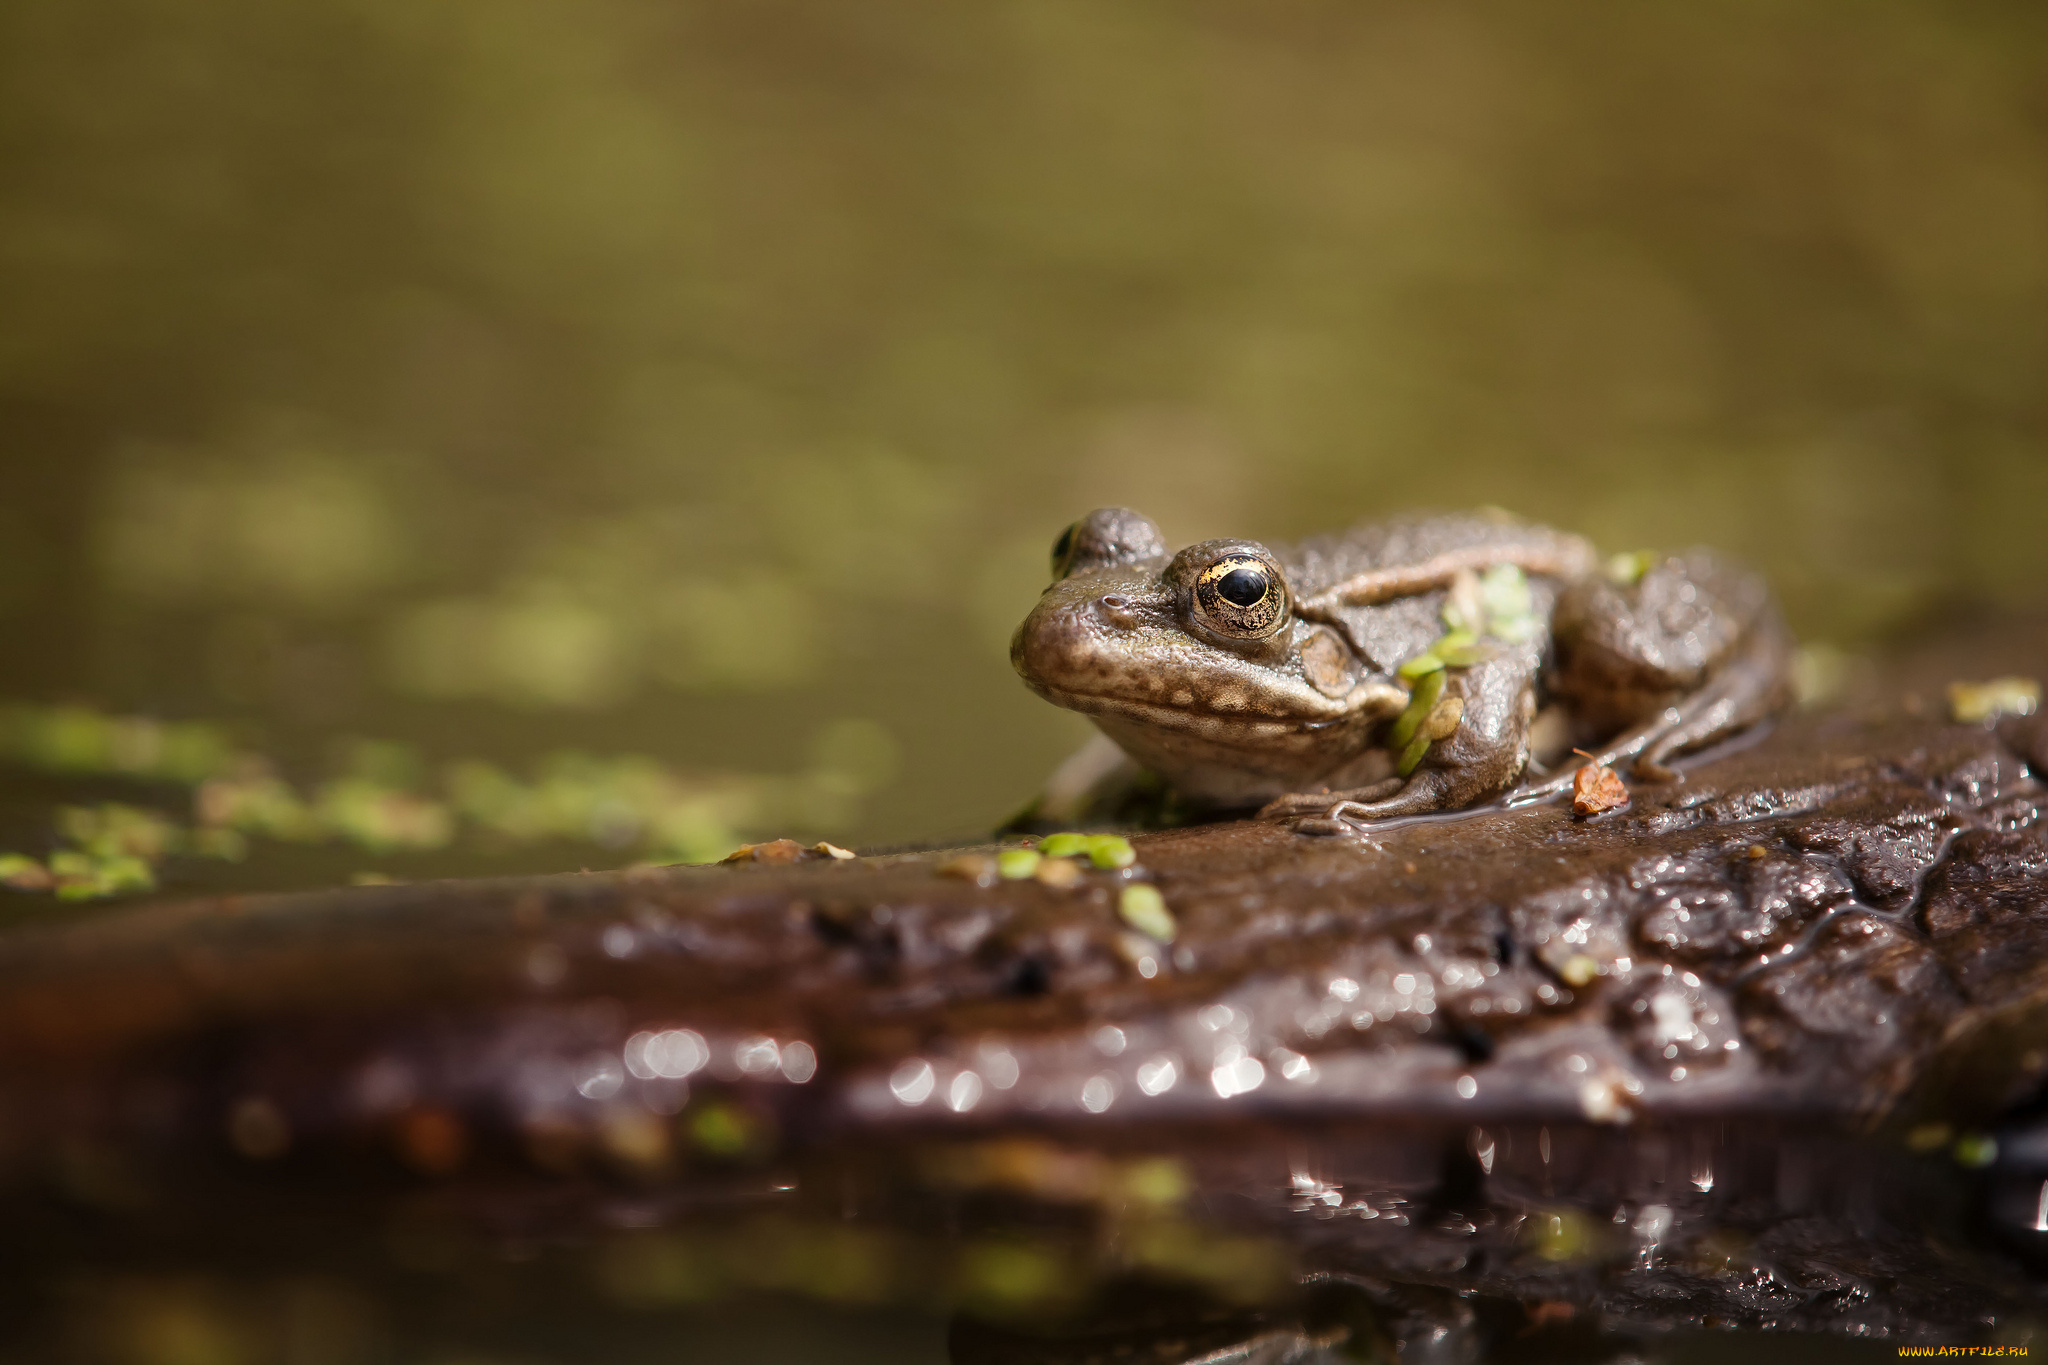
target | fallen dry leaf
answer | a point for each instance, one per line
(1597, 788)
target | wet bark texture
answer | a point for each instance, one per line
(1758, 1050)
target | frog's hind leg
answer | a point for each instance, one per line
(1751, 686)
(1748, 687)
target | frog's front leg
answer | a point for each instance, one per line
(1477, 750)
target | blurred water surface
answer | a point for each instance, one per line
(683, 380)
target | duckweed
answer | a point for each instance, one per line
(1562, 1235)
(1508, 604)
(78, 741)
(1421, 665)
(1975, 1150)
(1108, 851)
(1459, 649)
(1976, 703)
(23, 873)
(375, 800)
(1495, 605)
(1420, 702)
(1066, 844)
(1015, 864)
(724, 1130)
(115, 830)
(78, 876)
(1105, 851)
(1144, 909)
(1159, 1181)
(1579, 970)
(1463, 609)
(1627, 568)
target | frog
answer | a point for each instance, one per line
(1407, 667)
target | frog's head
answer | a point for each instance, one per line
(1196, 663)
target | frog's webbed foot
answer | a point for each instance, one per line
(1348, 812)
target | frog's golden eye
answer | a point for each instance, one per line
(1241, 595)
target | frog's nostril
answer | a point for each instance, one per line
(1116, 608)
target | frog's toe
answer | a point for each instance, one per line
(1340, 817)
(1293, 806)
(1349, 812)
(1296, 808)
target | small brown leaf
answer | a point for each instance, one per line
(774, 851)
(1597, 788)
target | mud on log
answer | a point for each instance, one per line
(1757, 1050)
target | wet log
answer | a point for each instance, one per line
(1756, 1049)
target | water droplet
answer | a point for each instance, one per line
(999, 1066)
(1238, 1077)
(1158, 1075)
(913, 1081)
(799, 1062)
(757, 1056)
(670, 1054)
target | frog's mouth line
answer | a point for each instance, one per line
(1180, 717)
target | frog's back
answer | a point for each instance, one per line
(1324, 561)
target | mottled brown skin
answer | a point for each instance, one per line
(1296, 718)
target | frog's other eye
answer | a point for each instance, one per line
(1061, 548)
(1242, 596)
(1108, 537)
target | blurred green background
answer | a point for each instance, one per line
(707, 382)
